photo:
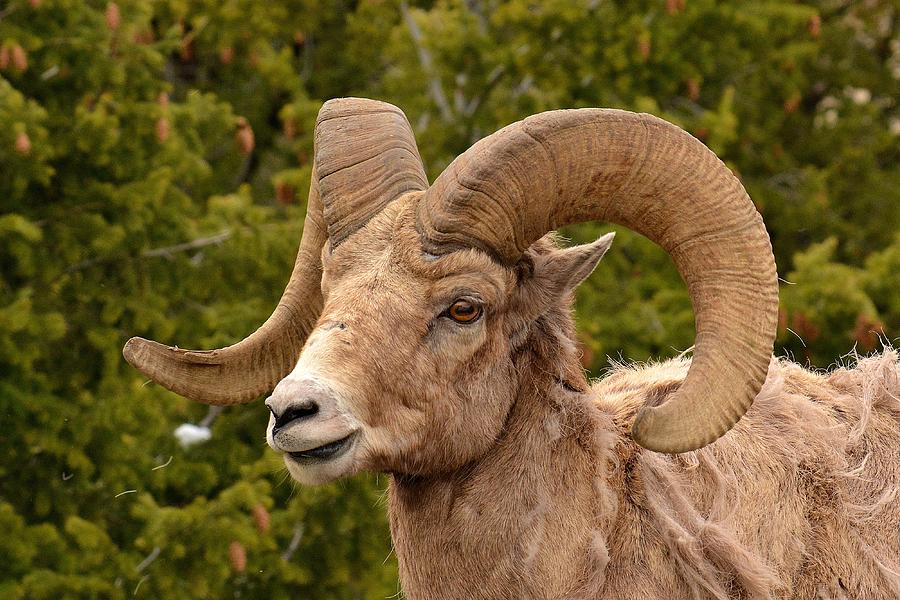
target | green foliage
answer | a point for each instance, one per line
(830, 306)
(133, 201)
(134, 209)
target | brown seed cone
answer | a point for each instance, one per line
(792, 103)
(23, 144)
(19, 58)
(162, 130)
(261, 518)
(5, 57)
(187, 51)
(163, 100)
(113, 16)
(226, 55)
(693, 88)
(285, 194)
(777, 151)
(143, 37)
(34, 3)
(866, 332)
(237, 556)
(644, 45)
(782, 320)
(814, 26)
(244, 137)
(805, 328)
(290, 128)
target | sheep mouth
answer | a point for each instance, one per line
(325, 452)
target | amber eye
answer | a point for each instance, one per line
(464, 311)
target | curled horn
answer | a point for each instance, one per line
(570, 166)
(365, 157)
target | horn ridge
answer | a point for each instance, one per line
(569, 166)
(375, 162)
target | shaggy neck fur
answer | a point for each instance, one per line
(530, 519)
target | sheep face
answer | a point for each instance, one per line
(410, 368)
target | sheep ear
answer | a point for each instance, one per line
(562, 271)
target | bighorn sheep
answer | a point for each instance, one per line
(426, 333)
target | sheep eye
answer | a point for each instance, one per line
(464, 311)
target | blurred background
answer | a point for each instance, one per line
(154, 165)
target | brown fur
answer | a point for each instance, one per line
(513, 478)
(794, 502)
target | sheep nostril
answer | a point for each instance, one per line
(294, 413)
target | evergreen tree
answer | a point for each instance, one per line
(150, 186)
(154, 160)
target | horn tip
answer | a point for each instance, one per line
(144, 354)
(651, 433)
(135, 349)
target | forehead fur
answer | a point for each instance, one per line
(391, 241)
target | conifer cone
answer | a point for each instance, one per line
(693, 88)
(237, 556)
(19, 58)
(226, 55)
(162, 129)
(244, 137)
(290, 128)
(814, 26)
(792, 103)
(113, 16)
(782, 320)
(803, 326)
(23, 144)
(143, 37)
(285, 193)
(188, 51)
(644, 45)
(261, 518)
(866, 332)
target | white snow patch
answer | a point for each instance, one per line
(189, 434)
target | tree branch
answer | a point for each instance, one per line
(493, 79)
(294, 543)
(8, 11)
(149, 560)
(211, 414)
(166, 251)
(434, 83)
(474, 7)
